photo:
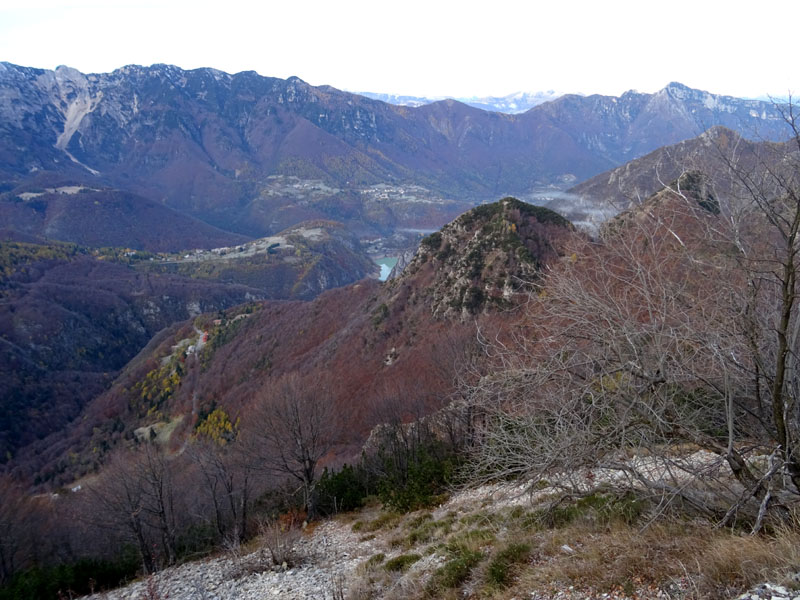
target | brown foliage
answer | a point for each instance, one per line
(635, 346)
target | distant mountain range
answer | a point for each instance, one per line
(254, 155)
(511, 104)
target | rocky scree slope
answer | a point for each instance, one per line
(492, 541)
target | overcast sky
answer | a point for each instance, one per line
(428, 47)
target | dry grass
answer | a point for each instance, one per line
(508, 553)
(611, 559)
(384, 520)
(744, 561)
(703, 562)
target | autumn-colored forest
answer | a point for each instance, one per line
(655, 357)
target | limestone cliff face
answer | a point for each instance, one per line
(402, 262)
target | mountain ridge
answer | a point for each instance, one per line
(638, 179)
(367, 340)
(205, 142)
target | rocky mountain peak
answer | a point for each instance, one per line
(676, 88)
(485, 257)
(67, 72)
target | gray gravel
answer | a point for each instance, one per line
(328, 562)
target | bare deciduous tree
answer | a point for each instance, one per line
(227, 474)
(765, 219)
(119, 506)
(634, 350)
(137, 497)
(677, 329)
(292, 428)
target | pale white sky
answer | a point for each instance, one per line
(426, 47)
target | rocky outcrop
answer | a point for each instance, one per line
(483, 258)
(403, 261)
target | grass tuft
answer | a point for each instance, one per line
(501, 565)
(455, 571)
(375, 560)
(401, 563)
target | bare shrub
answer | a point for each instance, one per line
(280, 537)
(278, 547)
(642, 363)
